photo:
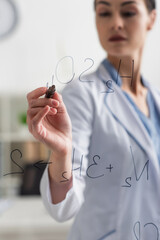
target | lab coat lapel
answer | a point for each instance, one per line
(155, 95)
(125, 115)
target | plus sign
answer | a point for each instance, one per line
(109, 168)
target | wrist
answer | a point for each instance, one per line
(61, 166)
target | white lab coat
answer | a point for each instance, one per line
(116, 173)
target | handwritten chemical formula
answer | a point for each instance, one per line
(91, 169)
(108, 83)
(99, 166)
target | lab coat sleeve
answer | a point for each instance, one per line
(80, 106)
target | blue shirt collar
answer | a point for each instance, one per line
(114, 73)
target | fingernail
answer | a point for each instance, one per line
(55, 103)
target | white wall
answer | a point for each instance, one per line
(49, 30)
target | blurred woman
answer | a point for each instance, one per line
(104, 135)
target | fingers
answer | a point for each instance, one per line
(35, 101)
(42, 102)
(34, 125)
(58, 97)
(39, 116)
(36, 93)
(61, 108)
(39, 107)
(33, 111)
(35, 116)
(40, 92)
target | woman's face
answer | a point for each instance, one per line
(122, 25)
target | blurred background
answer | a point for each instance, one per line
(39, 39)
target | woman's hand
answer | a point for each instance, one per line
(49, 122)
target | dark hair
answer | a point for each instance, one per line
(151, 4)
